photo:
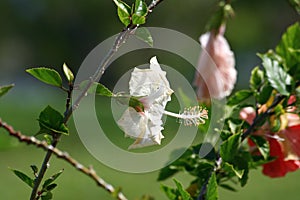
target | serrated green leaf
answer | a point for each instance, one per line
(52, 120)
(229, 148)
(238, 97)
(262, 145)
(182, 192)
(68, 73)
(278, 78)
(212, 188)
(289, 49)
(26, 179)
(5, 88)
(51, 179)
(256, 79)
(124, 12)
(144, 34)
(47, 196)
(46, 75)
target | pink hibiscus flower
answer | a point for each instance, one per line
(215, 76)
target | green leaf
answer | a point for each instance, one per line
(229, 148)
(5, 88)
(238, 172)
(46, 75)
(238, 97)
(212, 188)
(143, 34)
(289, 49)
(51, 120)
(166, 172)
(140, 12)
(96, 88)
(68, 73)
(34, 169)
(51, 179)
(183, 193)
(256, 79)
(278, 78)
(262, 145)
(264, 94)
(140, 8)
(51, 187)
(47, 196)
(26, 179)
(170, 192)
(124, 12)
(228, 187)
(235, 125)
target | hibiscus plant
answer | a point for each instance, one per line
(261, 124)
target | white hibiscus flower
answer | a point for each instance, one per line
(153, 90)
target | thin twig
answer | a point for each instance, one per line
(89, 171)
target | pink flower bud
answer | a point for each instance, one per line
(216, 75)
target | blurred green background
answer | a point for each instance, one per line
(50, 32)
